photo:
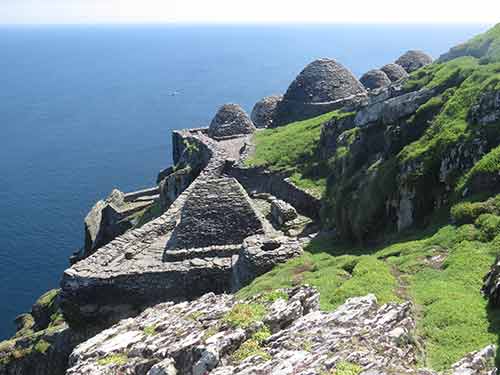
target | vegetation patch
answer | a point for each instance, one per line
(440, 270)
(42, 346)
(243, 315)
(250, 348)
(113, 359)
(292, 149)
(347, 368)
(149, 330)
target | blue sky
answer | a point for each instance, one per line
(248, 11)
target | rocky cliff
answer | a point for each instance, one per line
(381, 192)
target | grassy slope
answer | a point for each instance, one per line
(291, 149)
(440, 272)
(440, 269)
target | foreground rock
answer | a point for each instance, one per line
(230, 120)
(282, 332)
(413, 60)
(324, 85)
(264, 111)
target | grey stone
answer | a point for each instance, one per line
(375, 79)
(394, 71)
(282, 212)
(264, 111)
(413, 60)
(322, 86)
(195, 338)
(229, 121)
(323, 80)
(259, 254)
(393, 109)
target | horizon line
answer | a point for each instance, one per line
(246, 23)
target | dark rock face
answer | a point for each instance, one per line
(375, 79)
(487, 110)
(491, 286)
(394, 71)
(230, 120)
(413, 60)
(264, 111)
(323, 86)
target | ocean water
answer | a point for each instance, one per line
(84, 109)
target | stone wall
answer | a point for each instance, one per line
(260, 180)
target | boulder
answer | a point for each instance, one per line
(264, 110)
(413, 60)
(282, 212)
(259, 254)
(230, 121)
(375, 79)
(394, 71)
(323, 86)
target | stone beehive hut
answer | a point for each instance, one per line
(229, 121)
(322, 86)
(263, 111)
(375, 79)
(413, 60)
(394, 71)
(323, 80)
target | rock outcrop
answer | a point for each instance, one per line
(413, 60)
(264, 111)
(281, 332)
(375, 79)
(230, 121)
(394, 72)
(323, 85)
(113, 216)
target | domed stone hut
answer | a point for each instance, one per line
(229, 121)
(324, 85)
(394, 71)
(375, 79)
(413, 60)
(264, 110)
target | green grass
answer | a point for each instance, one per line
(249, 348)
(488, 165)
(485, 46)
(441, 271)
(292, 149)
(347, 368)
(42, 346)
(48, 298)
(243, 315)
(113, 359)
(149, 330)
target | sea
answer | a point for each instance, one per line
(87, 108)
